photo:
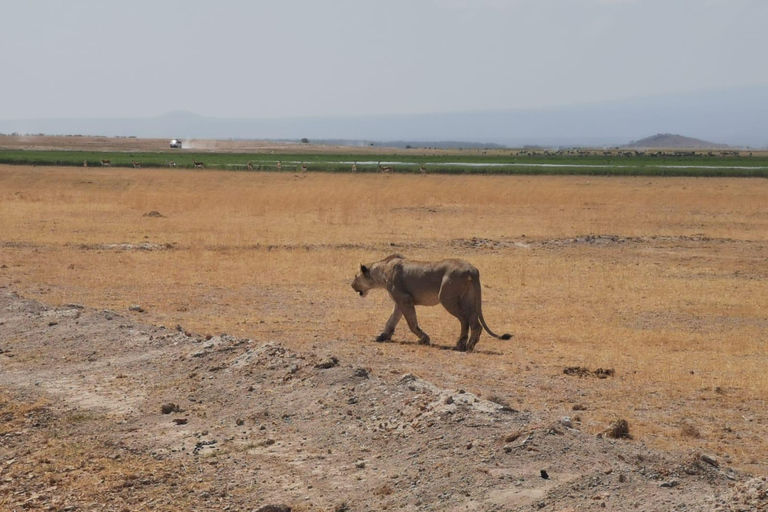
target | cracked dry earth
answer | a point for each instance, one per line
(101, 412)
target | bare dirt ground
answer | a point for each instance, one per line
(114, 414)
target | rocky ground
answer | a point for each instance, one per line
(99, 411)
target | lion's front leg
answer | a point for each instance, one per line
(389, 329)
(409, 311)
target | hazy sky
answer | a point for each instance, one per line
(237, 58)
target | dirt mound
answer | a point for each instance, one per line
(100, 410)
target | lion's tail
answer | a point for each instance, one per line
(478, 292)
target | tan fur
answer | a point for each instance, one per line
(453, 283)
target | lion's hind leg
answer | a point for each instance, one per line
(451, 291)
(454, 308)
(469, 306)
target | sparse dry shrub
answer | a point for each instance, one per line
(618, 429)
(689, 430)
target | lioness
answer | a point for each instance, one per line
(453, 283)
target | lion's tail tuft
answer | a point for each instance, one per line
(506, 336)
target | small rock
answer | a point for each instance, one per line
(544, 474)
(362, 372)
(180, 421)
(449, 400)
(136, 308)
(566, 422)
(239, 422)
(670, 484)
(709, 459)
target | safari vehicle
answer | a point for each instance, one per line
(176, 144)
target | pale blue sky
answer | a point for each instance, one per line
(236, 58)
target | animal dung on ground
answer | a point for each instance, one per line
(581, 371)
(169, 408)
(328, 363)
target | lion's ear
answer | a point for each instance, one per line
(365, 270)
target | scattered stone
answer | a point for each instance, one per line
(180, 421)
(52, 323)
(154, 213)
(239, 422)
(579, 407)
(136, 308)
(566, 422)
(544, 474)
(169, 408)
(670, 484)
(360, 464)
(709, 459)
(512, 437)
(328, 363)
(362, 372)
(449, 400)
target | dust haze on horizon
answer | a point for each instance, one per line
(300, 58)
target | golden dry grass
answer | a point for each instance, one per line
(677, 305)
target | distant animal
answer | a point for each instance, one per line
(354, 167)
(422, 169)
(278, 165)
(106, 163)
(136, 165)
(171, 164)
(249, 165)
(385, 168)
(85, 163)
(303, 167)
(453, 283)
(198, 165)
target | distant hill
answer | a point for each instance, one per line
(671, 141)
(737, 116)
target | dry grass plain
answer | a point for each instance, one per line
(670, 290)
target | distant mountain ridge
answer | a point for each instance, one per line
(738, 117)
(671, 141)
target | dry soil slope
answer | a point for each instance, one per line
(251, 423)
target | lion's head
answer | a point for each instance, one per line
(363, 282)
